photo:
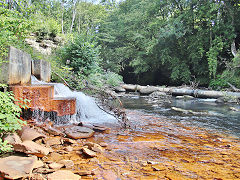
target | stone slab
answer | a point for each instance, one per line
(63, 175)
(15, 167)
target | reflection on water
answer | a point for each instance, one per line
(211, 115)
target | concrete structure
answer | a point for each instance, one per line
(17, 68)
(41, 70)
(16, 72)
(42, 97)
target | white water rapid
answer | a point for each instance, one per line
(87, 110)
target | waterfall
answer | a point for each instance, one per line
(87, 110)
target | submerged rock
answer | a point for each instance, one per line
(234, 109)
(53, 131)
(94, 147)
(15, 167)
(103, 144)
(53, 141)
(101, 129)
(69, 141)
(89, 152)
(79, 132)
(110, 175)
(84, 173)
(220, 100)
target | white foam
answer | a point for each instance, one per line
(87, 110)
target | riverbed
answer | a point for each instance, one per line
(164, 144)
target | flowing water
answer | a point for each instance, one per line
(162, 143)
(87, 110)
(208, 114)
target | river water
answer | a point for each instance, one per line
(164, 144)
(208, 114)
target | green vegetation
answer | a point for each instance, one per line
(179, 40)
(81, 54)
(9, 117)
(14, 29)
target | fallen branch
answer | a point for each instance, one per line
(233, 87)
(65, 82)
(107, 93)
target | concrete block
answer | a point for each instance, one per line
(17, 68)
(42, 70)
(42, 97)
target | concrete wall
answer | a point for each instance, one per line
(41, 70)
(17, 68)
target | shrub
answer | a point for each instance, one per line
(113, 79)
(9, 117)
(80, 60)
(81, 54)
(218, 83)
(45, 27)
(14, 29)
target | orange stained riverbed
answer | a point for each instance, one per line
(157, 148)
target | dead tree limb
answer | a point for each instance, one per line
(233, 87)
(65, 82)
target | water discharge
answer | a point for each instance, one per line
(87, 110)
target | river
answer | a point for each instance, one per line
(164, 144)
(208, 114)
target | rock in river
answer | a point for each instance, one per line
(30, 134)
(119, 89)
(15, 167)
(63, 175)
(12, 138)
(148, 90)
(89, 152)
(30, 147)
(79, 132)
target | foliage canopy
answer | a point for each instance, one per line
(181, 40)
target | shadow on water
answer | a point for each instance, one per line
(207, 113)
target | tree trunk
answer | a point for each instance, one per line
(73, 16)
(62, 4)
(233, 48)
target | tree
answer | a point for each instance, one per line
(181, 40)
